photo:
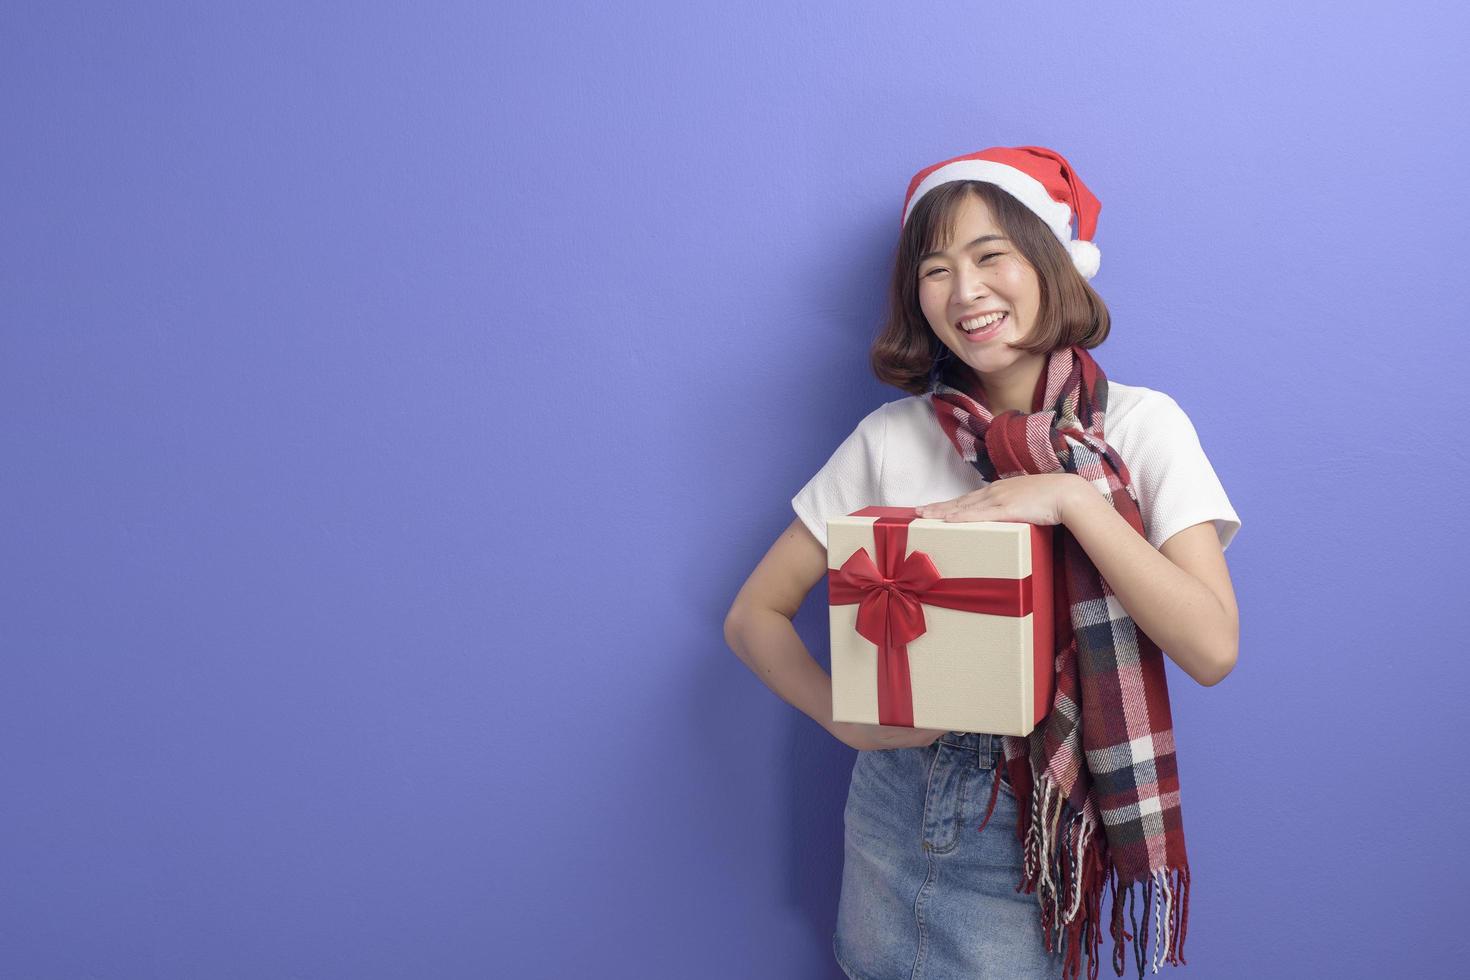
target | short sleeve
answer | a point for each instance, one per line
(1176, 485)
(848, 481)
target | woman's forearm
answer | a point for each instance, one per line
(1176, 610)
(767, 642)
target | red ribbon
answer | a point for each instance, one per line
(891, 593)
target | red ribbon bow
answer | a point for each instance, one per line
(891, 594)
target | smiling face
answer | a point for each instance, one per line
(978, 272)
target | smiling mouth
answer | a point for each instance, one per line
(979, 320)
(987, 331)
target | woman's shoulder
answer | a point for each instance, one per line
(1176, 483)
(909, 419)
(1143, 422)
(1138, 407)
(908, 408)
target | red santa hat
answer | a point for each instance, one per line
(1039, 178)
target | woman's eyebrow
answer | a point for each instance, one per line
(979, 241)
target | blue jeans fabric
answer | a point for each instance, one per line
(924, 896)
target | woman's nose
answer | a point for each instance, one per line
(970, 285)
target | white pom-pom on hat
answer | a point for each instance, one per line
(1085, 256)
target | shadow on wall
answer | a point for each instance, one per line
(801, 781)
(816, 776)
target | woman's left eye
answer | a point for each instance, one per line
(990, 256)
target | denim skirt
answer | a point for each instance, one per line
(924, 896)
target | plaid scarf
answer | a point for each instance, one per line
(1106, 747)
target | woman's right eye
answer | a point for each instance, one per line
(930, 273)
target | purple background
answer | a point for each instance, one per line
(392, 400)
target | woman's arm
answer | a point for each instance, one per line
(1180, 594)
(758, 628)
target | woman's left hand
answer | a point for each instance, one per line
(1040, 498)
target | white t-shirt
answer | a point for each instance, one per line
(898, 456)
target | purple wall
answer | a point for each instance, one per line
(392, 401)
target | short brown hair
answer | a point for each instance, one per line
(1070, 312)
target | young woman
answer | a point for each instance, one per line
(1009, 418)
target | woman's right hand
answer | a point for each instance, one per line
(870, 737)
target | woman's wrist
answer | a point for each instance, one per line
(1079, 494)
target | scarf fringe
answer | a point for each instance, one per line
(1066, 865)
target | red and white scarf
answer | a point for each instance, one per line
(1106, 747)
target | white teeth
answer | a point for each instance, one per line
(979, 323)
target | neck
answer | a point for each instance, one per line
(1012, 388)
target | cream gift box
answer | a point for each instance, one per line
(940, 625)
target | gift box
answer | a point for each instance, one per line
(940, 625)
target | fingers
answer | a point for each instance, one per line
(975, 512)
(961, 504)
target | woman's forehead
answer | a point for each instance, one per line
(968, 219)
(972, 212)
